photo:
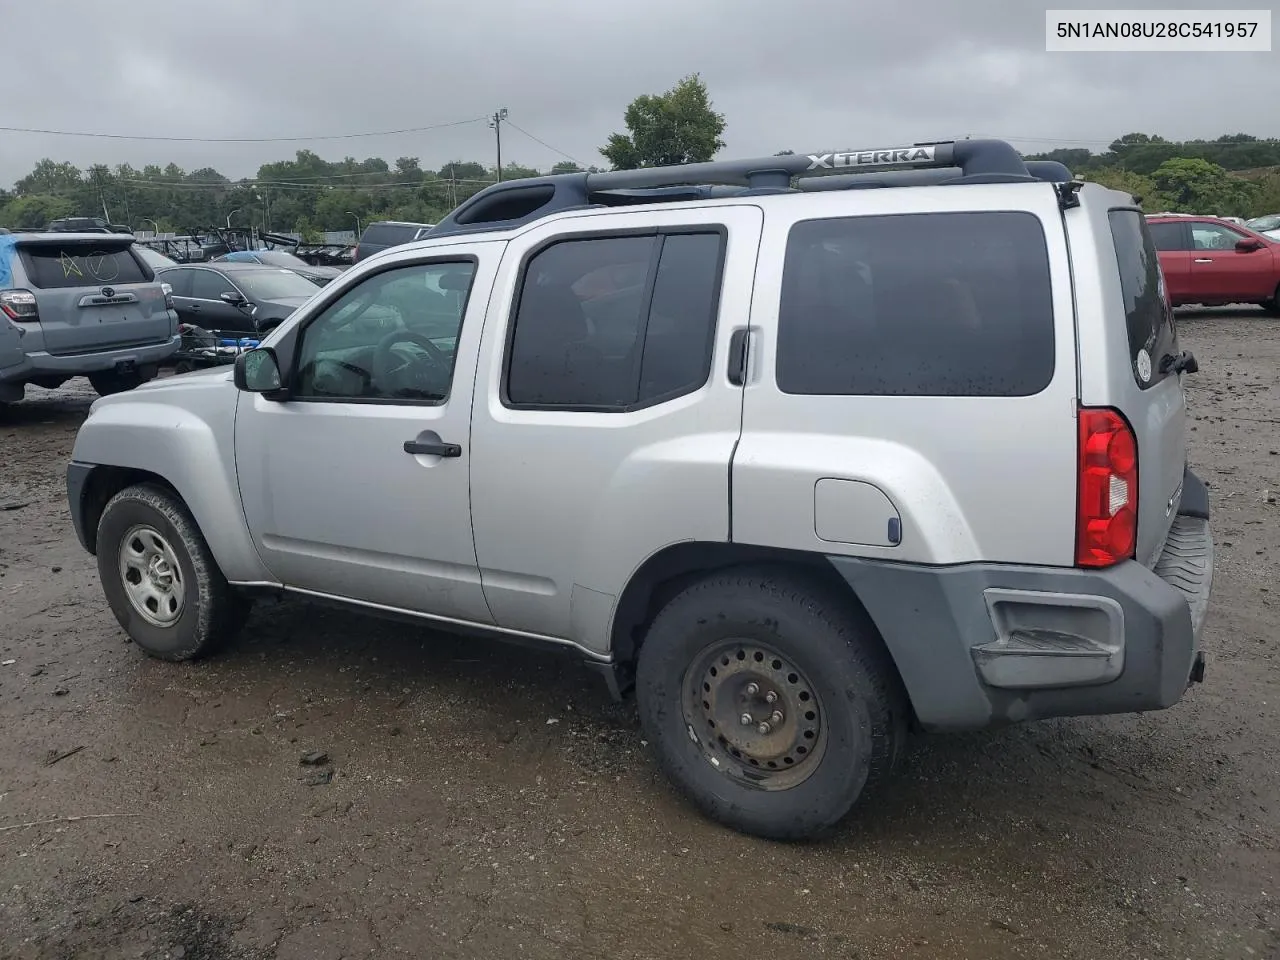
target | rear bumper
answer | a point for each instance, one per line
(42, 364)
(980, 645)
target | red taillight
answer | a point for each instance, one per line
(1107, 509)
(19, 305)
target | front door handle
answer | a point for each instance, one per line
(1204, 259)
(432, 448)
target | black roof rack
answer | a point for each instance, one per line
(514, 203)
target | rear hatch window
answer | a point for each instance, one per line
(1157, 413)
(1148, 319)
(53, 266)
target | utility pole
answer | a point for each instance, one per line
(496, 122)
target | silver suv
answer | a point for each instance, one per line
(80, 304)
(807, 451)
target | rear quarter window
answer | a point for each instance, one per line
(1149, 322)
(935, 304)
(57, 266)
(389, 234)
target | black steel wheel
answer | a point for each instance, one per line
(770, 701)
(758, 716)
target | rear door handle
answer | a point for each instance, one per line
(1204, 259)
(432, 448)
(737, 371)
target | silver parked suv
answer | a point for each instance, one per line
(80, 304)
(808, 450)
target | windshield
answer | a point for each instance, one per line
(279, 258)
(1264, 223)
(273, 284)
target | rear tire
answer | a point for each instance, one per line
(827, 715)
(108, 382)
(160, 579)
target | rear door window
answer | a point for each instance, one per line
(207, 285)
(616, 323)
(179, 280)
(1148, 319)
(1168, 236)
(58, 266)
(936, 304)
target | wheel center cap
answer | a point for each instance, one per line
(159, 574)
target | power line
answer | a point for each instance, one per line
(331, 136)
(275, 184)
(520, 129)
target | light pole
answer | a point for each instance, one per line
(357, 220)
(496, 122)
(155, 226)
(232, 214)
(266, 210)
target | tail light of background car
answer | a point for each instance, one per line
(1107, 506)
(19, 305)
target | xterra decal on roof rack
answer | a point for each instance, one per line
(516, 203)
(871, 158)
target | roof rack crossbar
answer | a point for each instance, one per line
(515, 203)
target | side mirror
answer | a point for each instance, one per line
(233, 297)
(1248, 245)
(256, 371)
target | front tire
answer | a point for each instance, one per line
(770, 702)
(1272, 306)
(160, 579)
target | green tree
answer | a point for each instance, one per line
(462, 170)
(1134, 184)
(51, 177)
(1194, 185)
(33, 210)
(677, 126)
(1268, 196)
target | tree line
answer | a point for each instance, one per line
(1234, 175)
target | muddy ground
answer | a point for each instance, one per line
(482, 801)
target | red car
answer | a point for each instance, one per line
(1209, 261)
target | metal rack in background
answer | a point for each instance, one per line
(201, 349)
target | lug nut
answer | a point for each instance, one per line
(763, 728)
(752, 689)
(746, 719)
(776, 717)
(771, 696)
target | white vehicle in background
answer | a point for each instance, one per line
(1268, 226)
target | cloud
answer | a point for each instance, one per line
(805, 75)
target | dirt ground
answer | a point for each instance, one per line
(482, 801)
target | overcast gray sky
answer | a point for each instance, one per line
(806, 75)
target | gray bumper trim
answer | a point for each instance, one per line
(933, 618)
